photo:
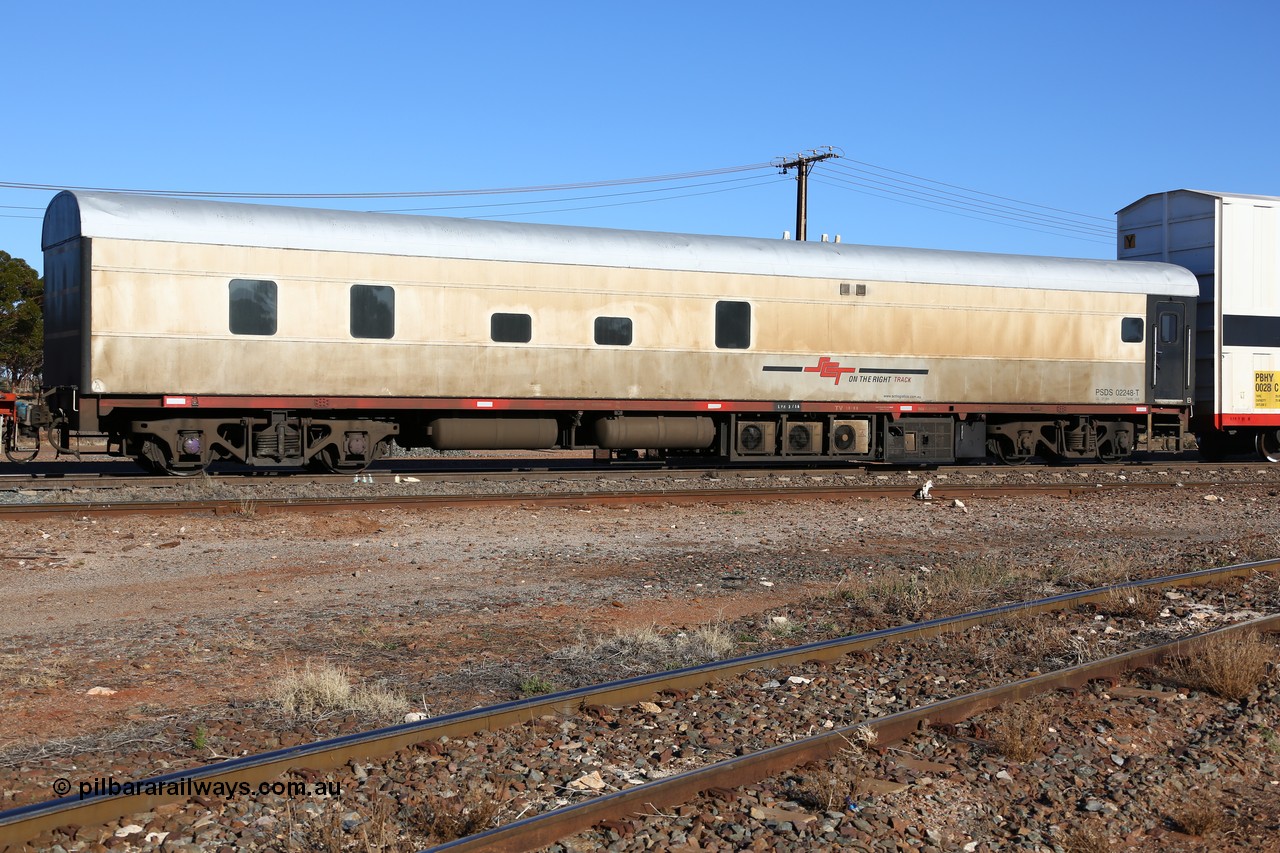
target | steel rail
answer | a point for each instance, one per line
(657, 495)
(541, 830)
(64, 476)
(25, 822)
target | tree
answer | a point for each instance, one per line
(21, 319)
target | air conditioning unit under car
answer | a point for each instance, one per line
(851, 437)
(803, 438)
(756, 438)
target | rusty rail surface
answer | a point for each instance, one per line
(23, 823)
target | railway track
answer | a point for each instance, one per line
(679, 496)
(541, 830)
(498, 482)
(21, 825)
(62, 476)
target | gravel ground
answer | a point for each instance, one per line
(1149, 767)
(556, 760)
(193, 621)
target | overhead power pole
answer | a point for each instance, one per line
(803, 164)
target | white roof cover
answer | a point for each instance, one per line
(1210, 193)
(134, 217)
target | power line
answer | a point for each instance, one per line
(980, 192)
(412, 194)
(753, 178)
(964, 215)
(946, 198)
(625, 203)
(1027, 226)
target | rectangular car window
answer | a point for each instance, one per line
(373, 311)
(613, 331)
(511, 328)
(1131, 329)
(252, 307)
(733, 325)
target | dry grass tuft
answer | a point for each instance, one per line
(1088, 838)
(1111, 568)
(379, 830)
(1044, 639)
(232, 640)
(939, 590)
(447, 818)
(1020, 729)
(319, 689)
(1227, 665)
(23, 671)
(643, 650)
(827, 788)
(1131, 603)
(1200, 818)
(834, 785)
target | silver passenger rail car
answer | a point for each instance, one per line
(190, 331)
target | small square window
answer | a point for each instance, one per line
(613, 331)
(252, 307)
(511, 328)
(1131, 330)
(373, 311)
(733, 325)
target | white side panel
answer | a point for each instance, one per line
(1250, 306)
(1249, 263)
(161, 325)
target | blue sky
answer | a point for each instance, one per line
(1083, 107)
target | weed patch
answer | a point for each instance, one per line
(643, 650)
(320, 689)
(1229, 666)
(1020, 730)
(446, 818)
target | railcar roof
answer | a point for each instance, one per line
(134, 217)
(1210, 193)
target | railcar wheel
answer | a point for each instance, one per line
(1268, 443)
